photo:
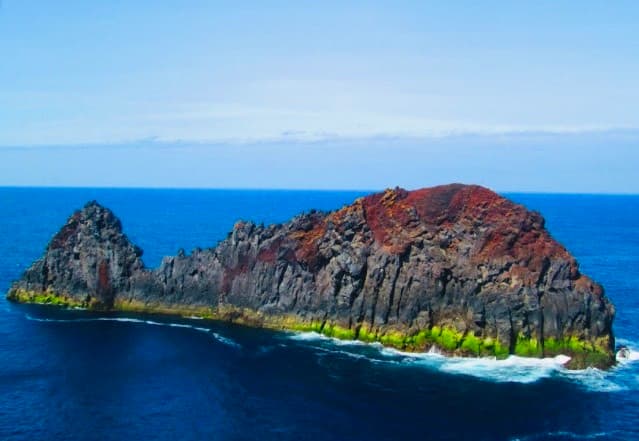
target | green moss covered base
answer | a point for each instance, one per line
(447, 339)
(44, 298)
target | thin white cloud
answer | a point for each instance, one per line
(237, 124)
(277, 110)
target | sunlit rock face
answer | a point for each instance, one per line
(458, 267)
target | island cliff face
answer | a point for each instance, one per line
(456, 267)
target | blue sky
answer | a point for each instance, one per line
(529, 96)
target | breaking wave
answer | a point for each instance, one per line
(629, 354)
(512, 369)
(315, 336)
(308, 336)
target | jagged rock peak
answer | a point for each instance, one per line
(93, 219)
(90, 259)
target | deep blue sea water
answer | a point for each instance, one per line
(77, 375)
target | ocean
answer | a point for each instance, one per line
(80, 375)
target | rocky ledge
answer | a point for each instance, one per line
(456, 267)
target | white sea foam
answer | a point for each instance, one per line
(119, 319)
(343, 353)
(196, 328)
(512, 369)
(631, 351)
(37, 319)
(631, 356)
(308, 336)
(340, 342)
(315, 336)
(225, 340)
(624, 341)
(431, 354)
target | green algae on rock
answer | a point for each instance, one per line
(44, 298)
(456, 267)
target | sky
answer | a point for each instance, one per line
(517, 96)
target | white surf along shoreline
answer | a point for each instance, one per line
(511, 369)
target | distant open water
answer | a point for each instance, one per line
(79, 375)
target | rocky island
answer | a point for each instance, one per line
(455, 267)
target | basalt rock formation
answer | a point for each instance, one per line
(456, 267)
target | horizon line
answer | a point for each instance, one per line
(318, 190)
